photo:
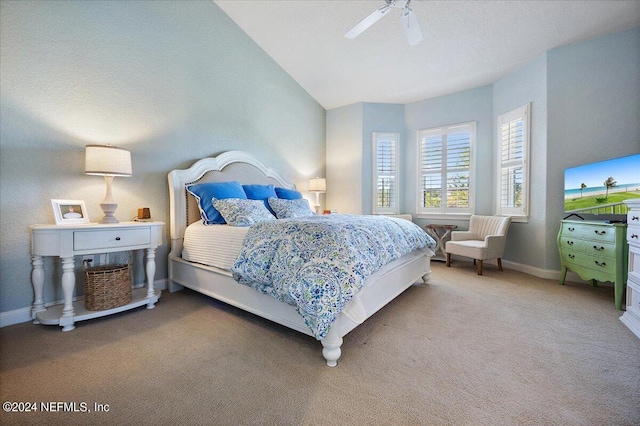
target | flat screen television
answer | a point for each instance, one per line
(600, 188)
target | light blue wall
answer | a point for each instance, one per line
(378, 118)
(585, 105)
(170, 83)
(350, 150)
(529, 85)
(462, 107)
(344, 159)
(593, 111)
(174, 84)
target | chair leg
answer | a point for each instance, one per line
(479, 267)
(499, 264)
(448, 260)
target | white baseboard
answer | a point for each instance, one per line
(21, 315)
(632, 321)
(17, 316)
(547, 274)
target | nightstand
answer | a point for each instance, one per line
(66, 241)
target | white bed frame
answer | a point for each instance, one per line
(378, 290)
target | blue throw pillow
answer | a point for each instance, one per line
(206, 192)
(288, 194)
(260, 192)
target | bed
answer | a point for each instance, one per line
(216, 280)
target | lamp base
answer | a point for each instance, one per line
(109, 209)
(317, 205)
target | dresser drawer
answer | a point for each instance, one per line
(590, 232)
(633, 235)
(594, 248)
(576, 260)
(633, 218)
(571, 243)
(571, 256)
(634, 262)
(599, 249)
(110, 239)
(601, 264)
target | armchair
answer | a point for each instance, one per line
(484, 240)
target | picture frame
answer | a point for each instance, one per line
(70, 212)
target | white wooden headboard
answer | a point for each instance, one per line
(228, 166)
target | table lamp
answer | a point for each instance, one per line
(108, 161)
(317, 185)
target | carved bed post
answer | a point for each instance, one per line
(331, 344)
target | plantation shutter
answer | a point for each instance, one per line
(445, 169)
(386, 173)
(513, 148)
(458, 167)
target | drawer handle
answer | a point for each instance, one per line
(634, 218)
(598, 248)
(634, 236)
(600, 232)
(600, 263)
(571, 229)
(569, 243)
(571, 256)
(117, 238)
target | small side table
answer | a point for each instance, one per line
(66, 242)
(441, 234)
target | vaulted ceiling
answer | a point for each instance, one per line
(466, 44)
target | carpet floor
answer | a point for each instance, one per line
(504, 348)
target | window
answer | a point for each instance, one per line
(385, 173)
(513, 164)
(445, 169)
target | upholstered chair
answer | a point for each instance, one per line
(484, 240)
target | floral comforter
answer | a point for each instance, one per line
(318, 263)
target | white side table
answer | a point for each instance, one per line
(440, 233)
(65, 242)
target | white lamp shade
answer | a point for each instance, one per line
(107, 160)
(317, 185)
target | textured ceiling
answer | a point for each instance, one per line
(466, 44)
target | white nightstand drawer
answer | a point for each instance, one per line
(107, 239)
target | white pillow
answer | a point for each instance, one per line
(287, 209)
(240, 212)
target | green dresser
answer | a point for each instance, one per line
(596, 251)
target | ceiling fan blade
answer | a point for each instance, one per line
(411, 26)
(367, 22)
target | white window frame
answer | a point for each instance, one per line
(378, 137)
(443, 211)
(521, 114)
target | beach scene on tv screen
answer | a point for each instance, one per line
(601, 188)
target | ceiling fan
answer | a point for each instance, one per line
(407, 18)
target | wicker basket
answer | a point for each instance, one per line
(107, 287)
